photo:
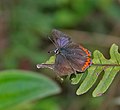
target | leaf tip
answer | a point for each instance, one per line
(97, 94)
(79, 92)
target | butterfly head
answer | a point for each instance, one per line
(57, 51)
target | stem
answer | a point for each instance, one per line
(106, 64)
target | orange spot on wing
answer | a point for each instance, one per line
(86, 51)
(87, 64)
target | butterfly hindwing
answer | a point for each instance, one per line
(78, 57)
(62, 66)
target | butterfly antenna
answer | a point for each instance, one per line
(51, 51)
(52, 42)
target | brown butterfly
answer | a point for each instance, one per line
(70, 57)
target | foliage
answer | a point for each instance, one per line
(52, 104)
(44, 104)
(17, 86)
(110, 67)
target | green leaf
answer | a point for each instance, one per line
(110, 67)
(52, 104)
(51, 60)
(17, 86)
(110, 72)
(76, 79)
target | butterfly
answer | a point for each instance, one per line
(70, 57)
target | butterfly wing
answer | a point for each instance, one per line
(78, 56)
(60, 38)
(62, 66)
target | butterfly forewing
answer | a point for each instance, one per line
(60, 38)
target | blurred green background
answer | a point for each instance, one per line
(24, 29)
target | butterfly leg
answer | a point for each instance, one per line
(59, 78)
(51, 66)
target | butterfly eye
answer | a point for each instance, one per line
(57, 51)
